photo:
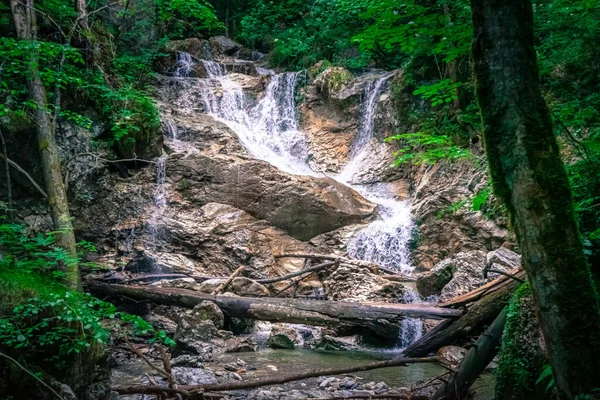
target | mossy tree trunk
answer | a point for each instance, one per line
(26, 28)
(529, 176)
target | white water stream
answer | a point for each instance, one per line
(270, 132)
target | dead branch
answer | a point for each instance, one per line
(225, 284)
(297, 273)
(145, 359)
(21, 170)
(347, 260)
(32, 374)
(239, 385)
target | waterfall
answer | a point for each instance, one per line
(159, 199)
(214, 69)
(270, 132)
(184, 64)
(411, 329)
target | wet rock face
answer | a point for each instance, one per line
(442, 231)
(270, 194)
(353, 283)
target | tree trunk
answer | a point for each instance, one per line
(82, 14)
(476, 360)
(25, 24)
(383, 318)
(529, 176)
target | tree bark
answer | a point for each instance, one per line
(383, 319)
(474, 363)
(26, 26)
(478, 315)
(529, 176)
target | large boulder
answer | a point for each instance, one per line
(282, 337)
(209, 311)
(222, 45)
(268, 193)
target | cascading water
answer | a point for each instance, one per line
(270, 129)
(159, 199)
(411, 329)
(270, 132)
(184, 64)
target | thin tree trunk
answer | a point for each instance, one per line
(25, 22)
(82, 14)
(9, 204)
(529, 176)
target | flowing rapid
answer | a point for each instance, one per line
(269, 131)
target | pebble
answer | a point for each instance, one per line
(240, 362)
(230, 367)
(236, 376)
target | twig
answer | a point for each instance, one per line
(167, 366)
(294, 274)
(143, 357)
(496, 271)
(225, 284)
(33, 375)
(21, 170)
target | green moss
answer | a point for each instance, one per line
(521, 359)
(43, 144)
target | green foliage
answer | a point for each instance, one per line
(300, 33)
(442, 92)
(43, 322)
(187, 18)
(424, 148)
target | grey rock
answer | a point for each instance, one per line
(193, 376)
(207, 310)
(331, 343)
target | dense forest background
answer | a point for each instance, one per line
(95, 62)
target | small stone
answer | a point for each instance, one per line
(240, 362)
(381, 387)
(236, 376)
(230, 367)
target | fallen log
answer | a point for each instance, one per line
(239, 385)
(381, 318)
(479, 314)
(475, 361)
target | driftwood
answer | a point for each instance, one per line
(491, 299)
(372, 266)
(382, 319)
(239, 385)
(475, 361)
(225, 284)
